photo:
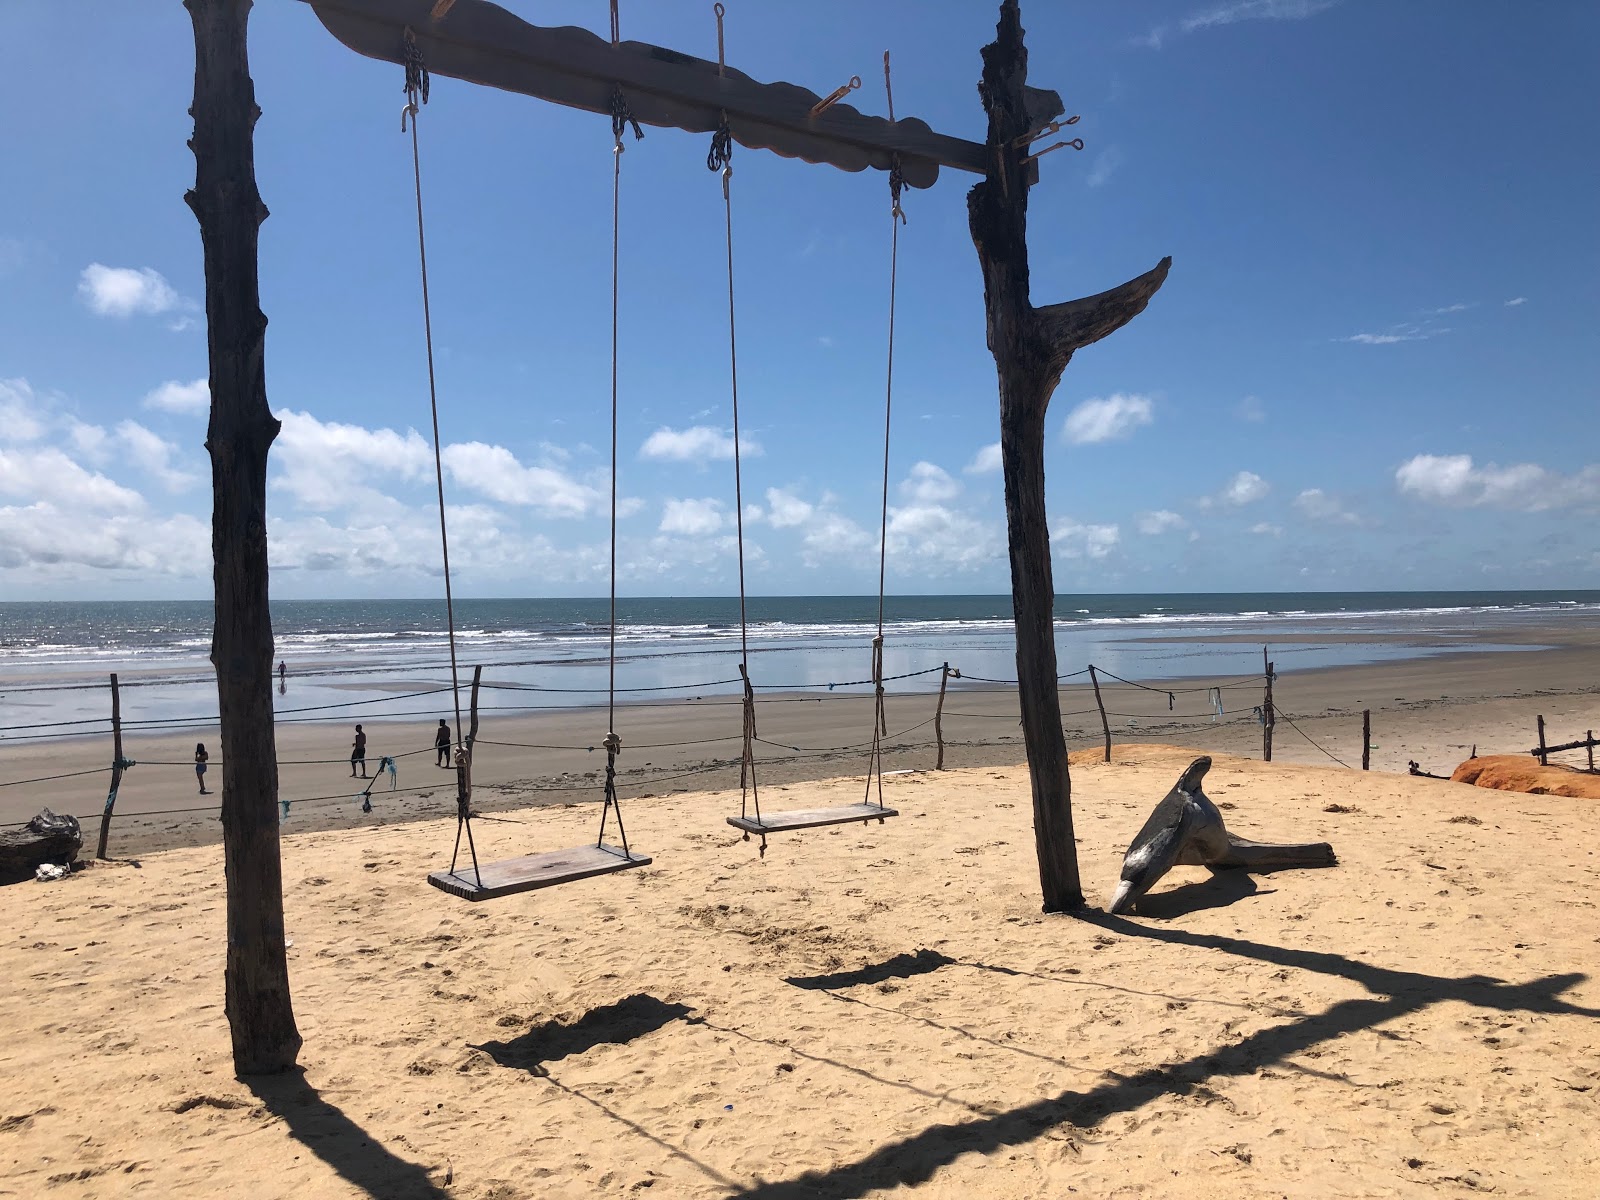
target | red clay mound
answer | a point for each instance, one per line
(1522, 773)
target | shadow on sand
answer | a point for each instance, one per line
(609, 1025)
(323, 1129)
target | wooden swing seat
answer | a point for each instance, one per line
(533, 871)
(812, 818)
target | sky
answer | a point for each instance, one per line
(1374, 364)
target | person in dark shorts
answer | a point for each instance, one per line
(358, 754)
(200, 759)
(441, 744)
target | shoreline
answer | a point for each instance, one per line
(1431, 709)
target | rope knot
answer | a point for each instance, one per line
(612, 743)
(622, 116)
(720, 156)
(897, 182)
(416, 71)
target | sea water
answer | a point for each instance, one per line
(379, 659)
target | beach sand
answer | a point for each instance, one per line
(863, 1012)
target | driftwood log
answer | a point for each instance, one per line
(1187, 830)
(47, 838)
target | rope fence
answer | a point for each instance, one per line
(781, 751)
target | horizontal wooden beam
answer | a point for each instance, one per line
(482, 43)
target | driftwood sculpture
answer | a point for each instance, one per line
(1187, 830)
(47, 838)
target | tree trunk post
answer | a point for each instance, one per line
(1101, 705)
(229, 209)
(1544, 758)
(1588, 735)
(472, 726)
(1031, 348)
(1268, 716)
(938, 717)
(1366, 739)
(117, 765)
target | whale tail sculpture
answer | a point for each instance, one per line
(1187, 830)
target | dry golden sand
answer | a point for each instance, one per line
(1418, 1021)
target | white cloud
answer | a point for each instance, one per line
(1105, 166)
(493, 471)
(1250, 409)
(48, 476)
(1454, 480)
(785, 509)
(1515, 301)
(1244, 488)
(1102, 420)
(124, 291)
(698, 443)
(1383, 339)
(175, 397)
(1319, 506)
(830, 535)
(1152, 524)
(1267, 528)
(931, 538)
(19, 412)
(1447, 310)
(60, 541)
(327, 464)
(985, 461)
(153, 454)
(1074, 539)
(1233, 12)
(692, 518)
(929, 484)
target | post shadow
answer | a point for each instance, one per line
(901, 966)
(915, 1159)
(608, 1025)
(354, 1154)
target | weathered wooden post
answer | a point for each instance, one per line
(1366, 739)
(938, 715)
(472, 728)
(229, 209)
(1101, 705)
(1268, 717)
(118, 763)
(1543, 755)
(1031, 348)
(1588, 735)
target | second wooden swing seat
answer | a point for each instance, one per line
(534, 871)
(812, 818)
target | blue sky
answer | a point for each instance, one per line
(1374, 364)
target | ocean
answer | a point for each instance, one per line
(370, 656)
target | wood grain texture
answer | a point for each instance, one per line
(229, 208)
(812, 818)
(534, 871)
(483, 43)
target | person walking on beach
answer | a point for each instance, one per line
(283, 674)
(200, 759)
(358, 754)
(441, 744)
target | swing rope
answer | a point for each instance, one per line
(621, 118)
(720, 160)
(416, 88)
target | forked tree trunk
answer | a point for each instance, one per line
(230, 212)
(1031, 348)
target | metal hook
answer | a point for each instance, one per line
(1075, 143)
(1045, 131)
(888, 90)
(409, 109)
(839, 93)
(721, 12)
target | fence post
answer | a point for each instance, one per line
(1544, 758)
(1589, 737)
(1104, 724)
(938, 716)
(1268, 717)
(1366, 739)
(116, 766)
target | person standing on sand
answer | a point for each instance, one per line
(441, 744)
(200, 760)
(283, 673)
(358, 754)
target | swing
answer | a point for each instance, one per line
(486, 881)
(751, 820)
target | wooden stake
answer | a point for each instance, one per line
(1366, 739)
(117, 763)
(229, 209)
(1101, 704)
(938, 717)
(1544, 757)
(1031, 348)
(472, 728)
(1268, 717)
(1588, 735)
